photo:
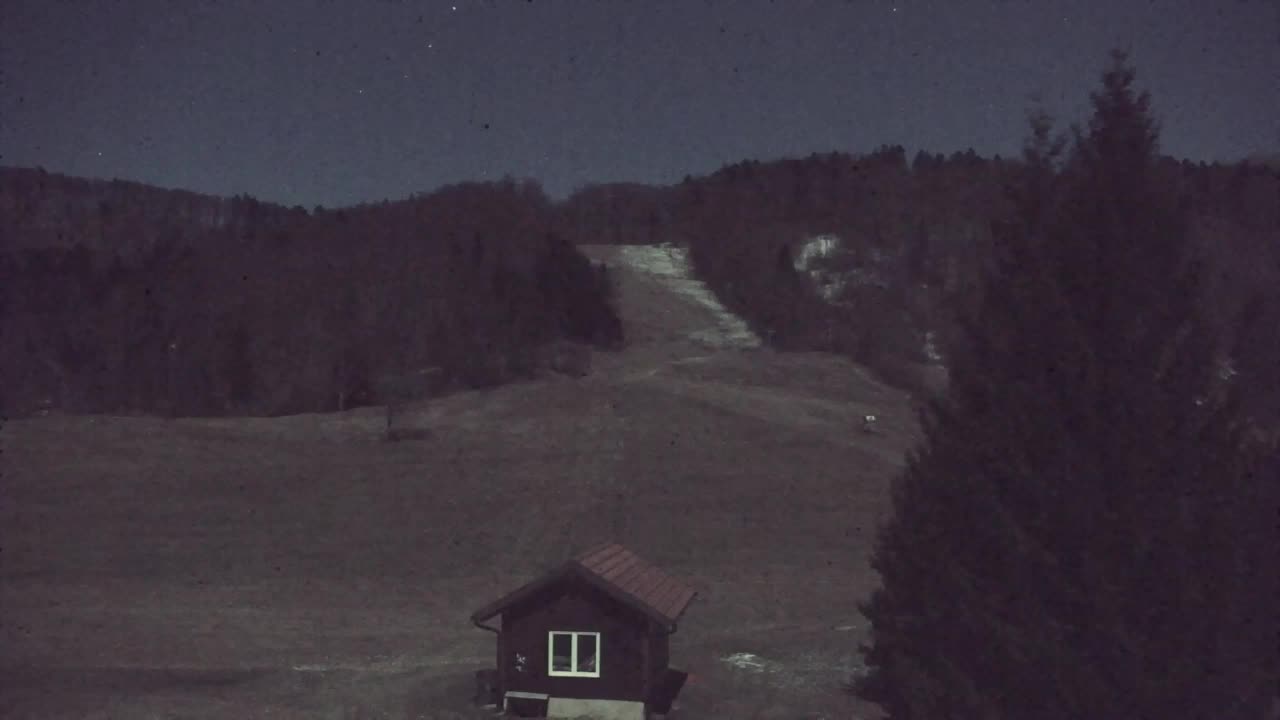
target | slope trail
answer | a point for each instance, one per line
(663, 303)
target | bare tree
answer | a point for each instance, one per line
(398, 391)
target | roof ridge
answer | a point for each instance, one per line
(614, 567)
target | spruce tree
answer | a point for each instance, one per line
(1079, 534)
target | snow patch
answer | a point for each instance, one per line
(808, 671)
(931, 347)
(830, 288)
(744, 661)
(1227, 369)
(830, 285)
(670, 265)
(819, 246)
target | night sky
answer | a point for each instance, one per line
(334, 103)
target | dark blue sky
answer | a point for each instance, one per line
(333, 103)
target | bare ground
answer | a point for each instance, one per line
(303, 567)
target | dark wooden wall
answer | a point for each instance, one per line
(576, 606)
(658, 655)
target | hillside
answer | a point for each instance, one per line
(224, 567)
(220, 566)
(127, 299)
(440, 279)
(907, 242)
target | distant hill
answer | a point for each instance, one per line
(43, 209)
(120, 297)
(910, 242)
(1266, 159)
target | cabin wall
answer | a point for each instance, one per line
(659, 655)
(501, 654)
(575, 606)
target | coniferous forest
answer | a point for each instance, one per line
(121, 298)
(919, 233)
(918, 236)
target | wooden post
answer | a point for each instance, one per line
(502, 660)
(648, 664)
(172, 386)
(397, 390)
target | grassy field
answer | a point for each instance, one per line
(302, 567)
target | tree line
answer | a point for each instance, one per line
(241, 307)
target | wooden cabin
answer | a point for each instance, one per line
(588, 638)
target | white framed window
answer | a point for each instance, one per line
(573, 654)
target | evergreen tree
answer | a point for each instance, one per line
(1080, 535)
(238, 368)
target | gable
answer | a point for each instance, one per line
(615, 572)
(645, 585)
(571, 603)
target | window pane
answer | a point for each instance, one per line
(561, 648)
(586, 653)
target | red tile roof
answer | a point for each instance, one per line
(617, 571)
(639, 580)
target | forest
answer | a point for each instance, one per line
(917, 239)
(121, 298)
(124, 298)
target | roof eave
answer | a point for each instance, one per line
(626, 598)
(576, 568)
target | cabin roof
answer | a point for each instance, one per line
(618, 572)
